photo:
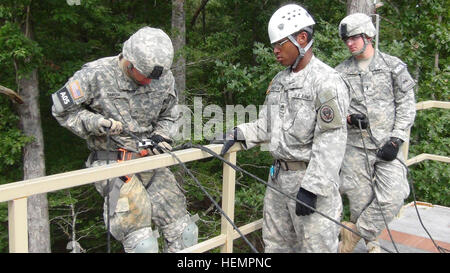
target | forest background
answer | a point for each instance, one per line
(227, 60)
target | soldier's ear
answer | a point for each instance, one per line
(302, 38)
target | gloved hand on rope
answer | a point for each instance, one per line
(308, 198)
(390, 150)
(354, 118)
(228, 139)
(115, 127)
(162, 142)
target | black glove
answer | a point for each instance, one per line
(390, 150)
(308, 198)
(353, 120)
(228, 139)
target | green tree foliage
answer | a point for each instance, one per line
(228, 61)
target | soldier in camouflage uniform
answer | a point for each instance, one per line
(382, 100)
(303, 122)
(131, 97)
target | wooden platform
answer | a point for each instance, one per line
(409, 235)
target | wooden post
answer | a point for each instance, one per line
(229, 175)
(18, 226)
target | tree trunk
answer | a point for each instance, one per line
(179, 41)
(33, 155)
(362, 6)
(34, 163)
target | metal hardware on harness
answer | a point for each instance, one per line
(146, 143)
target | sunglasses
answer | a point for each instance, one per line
(279, 44)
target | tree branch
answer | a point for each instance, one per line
(10, 93)
(197, 12)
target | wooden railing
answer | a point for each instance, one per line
(16, 193)
(422, 106)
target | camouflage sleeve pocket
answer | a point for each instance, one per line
(403, 79)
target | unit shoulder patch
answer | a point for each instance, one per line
(329, 116)
(326, 113)
(405, 82)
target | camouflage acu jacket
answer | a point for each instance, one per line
(101, 89)
(304, 120)
(384, 94)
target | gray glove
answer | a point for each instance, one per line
(115, 127)
(162, 142)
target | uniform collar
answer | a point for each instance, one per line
(377, 63)
(296, 80)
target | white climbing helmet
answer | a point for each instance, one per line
(287, 20)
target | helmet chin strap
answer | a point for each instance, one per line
(301, 50)
(129, 70)
(362, 49)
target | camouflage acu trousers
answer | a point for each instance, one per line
(284, 231)
(390, 186)
(153, 196)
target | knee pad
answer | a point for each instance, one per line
(141, 241)
(190, 233)
(181, 233)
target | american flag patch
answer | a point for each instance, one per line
(75, 89)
